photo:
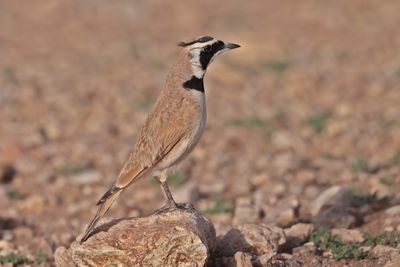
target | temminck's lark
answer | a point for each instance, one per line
(173, 127)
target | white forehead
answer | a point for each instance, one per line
(201, 45)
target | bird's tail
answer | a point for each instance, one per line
(104, 205)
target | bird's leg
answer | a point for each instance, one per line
(171, 204)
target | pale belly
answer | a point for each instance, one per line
(186, 145)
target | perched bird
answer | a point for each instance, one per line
(173, 127)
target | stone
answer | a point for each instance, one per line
(382, 250)
(283, 212)
(176, 238)
(348, 235)
(7, 174)
(298, 233)
(394, 261)
(245, 211)
(335, 217)
(395, 210)
(257, 239)
(242, 259)
(307, 249)
(329, 197)
(86, 177)
(264, 260)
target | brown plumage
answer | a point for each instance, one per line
(173, 127)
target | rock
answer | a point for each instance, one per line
(4, 245)
(264, 260)
(23, 233)
(283, 212)
(7, 174)
(336, 217)
(382, 250)
(395, 210)
(86, 177)
(242, 259)
(348, 236)
(177, 238)
(307, 249)
(33, 204)
(285, 161)
(394, 261)
(245, 211)
(335, 208)
(258, 239)
(240, 187)
(329, 197)
(187, 193)
(298, 233)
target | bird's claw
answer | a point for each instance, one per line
(172, 206)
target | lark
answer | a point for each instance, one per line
(173, 127)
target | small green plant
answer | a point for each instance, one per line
(220, 205)
(387, 238)
(277, 66)
(318, 122)
(387, 180)
(71, 169)
(175, 179)
(14, 194)
(359, 165)
(396, 158)
(362, 198)
(252, 121)
(41, 257)
(323, 239)
(13, 258)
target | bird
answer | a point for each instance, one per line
(173, 127)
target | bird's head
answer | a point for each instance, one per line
(202, 51)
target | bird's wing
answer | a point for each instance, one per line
(149, 150)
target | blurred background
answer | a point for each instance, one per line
(309, 102)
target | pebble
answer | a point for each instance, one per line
(297, 233)
(326, 198)
(242, 259)
(245, 211)
(87, 177)
(258, 239)
(335, 217)
(348, 235)
(307, 249)
(395, 210)
(382, 250)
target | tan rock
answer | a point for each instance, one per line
(177, 238)
(394, 261)
(382, 250)
(348, 235)
(264, 260)
(242, 259)
(257, 239)
(326, 198)
(395, 210)
(245, 211)
(298, 233)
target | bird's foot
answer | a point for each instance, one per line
(172, 206)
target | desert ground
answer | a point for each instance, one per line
(303, 120)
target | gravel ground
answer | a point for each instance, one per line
(303, 120)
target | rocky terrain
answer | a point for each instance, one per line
(301, 153)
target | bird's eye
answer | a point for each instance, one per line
(207, 48)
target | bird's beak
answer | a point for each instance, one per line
(231, 46)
